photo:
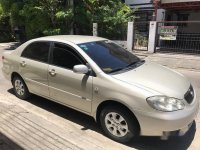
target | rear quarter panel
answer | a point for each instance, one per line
(11, 61)
(10, 64)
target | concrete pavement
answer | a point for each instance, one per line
(172, 60)
(25, 130)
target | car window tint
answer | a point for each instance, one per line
(65, 56)
(37, 51)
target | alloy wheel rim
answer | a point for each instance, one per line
(116, 124)
(19, 86)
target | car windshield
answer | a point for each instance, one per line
(109, 56)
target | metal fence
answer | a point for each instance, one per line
(185, 40)
(141, 35)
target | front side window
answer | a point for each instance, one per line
(109, 56)
(37, 51)
(64, 56)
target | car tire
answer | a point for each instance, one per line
(20, 88)
(119, 124)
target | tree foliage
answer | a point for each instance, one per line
(111, 15)
(37, 18)
(5, 28)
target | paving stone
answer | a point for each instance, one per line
(29, 133)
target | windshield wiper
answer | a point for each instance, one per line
(117, 69)
(135, 62)
(126, 67)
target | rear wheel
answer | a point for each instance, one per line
(20, 88)
(118, 124)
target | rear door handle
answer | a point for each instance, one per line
(23, 63)
(52, 72)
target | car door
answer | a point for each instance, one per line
(65, 86)
(34, 66)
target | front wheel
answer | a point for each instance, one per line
(20, 88)
(118, 124)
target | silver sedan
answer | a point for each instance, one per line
(125, 95)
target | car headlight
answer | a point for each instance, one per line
(164, 103)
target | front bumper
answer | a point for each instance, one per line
(179, 132)
(158, 123)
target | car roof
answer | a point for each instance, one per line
(77, 39)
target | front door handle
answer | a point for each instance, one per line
(52, 72)
(23, 63)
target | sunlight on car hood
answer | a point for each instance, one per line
(156, 77)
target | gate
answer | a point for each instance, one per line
(141, 35)
(178, 36)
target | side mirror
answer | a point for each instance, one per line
(80, 69)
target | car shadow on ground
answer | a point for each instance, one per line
(8, 144)
(173, 143)
(65, 112)
(88, 123)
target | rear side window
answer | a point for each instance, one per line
(37, 51)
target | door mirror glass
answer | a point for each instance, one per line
(80, 69)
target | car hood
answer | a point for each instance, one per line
(158, 78)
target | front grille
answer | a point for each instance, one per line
(189, 95)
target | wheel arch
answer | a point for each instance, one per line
(15, 74)
(106, 103)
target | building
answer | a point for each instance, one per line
(145, 10)
(183, 15)
(168, 10)
(183, 10)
